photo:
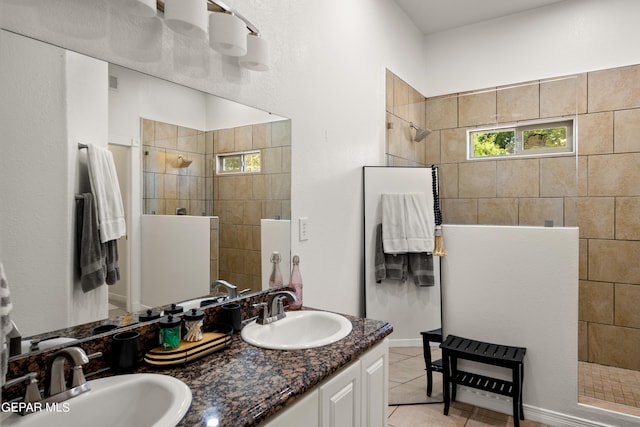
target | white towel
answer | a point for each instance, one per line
(5, 324)
(106, 192)
(420, 223)
(394, 236)
(408, 223)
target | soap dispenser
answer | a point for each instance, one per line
(275, 280)
(295, 284)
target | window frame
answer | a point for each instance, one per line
(519, 128)
(243, 154)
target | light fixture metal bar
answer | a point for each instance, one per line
(218, 6)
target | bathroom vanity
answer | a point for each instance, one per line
(344, 383)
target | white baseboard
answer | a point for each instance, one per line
(557, 419)
(118, 298)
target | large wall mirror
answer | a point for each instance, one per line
(167, 141)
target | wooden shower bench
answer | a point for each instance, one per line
(455, 348)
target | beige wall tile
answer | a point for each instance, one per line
(187, 144)
(148, 131)
(153, 159)
(583, 342)
(252, 212)
(259, 186)
(400, 98)
(614, 175)
(627, 218)
(459, 211)
(627, 298)
(518, 178)
(453, 145)
(213, 244)
(614, 346)
(448, 180)
(596, 302)
(243, 138)
(563, 96)
(583, 174)
(223, 141)
(256, 239)
(498, 211)
(477, 108)
(272, 208)
(225, 188)
(614, 261)
(442, 112)
(243, 187)
(149, 187)
(595, 134)
(570, 211)
(214, 223)
(272, 160)
(626, 131)
(208, 138)
(399, 138)
(259, 135)
(614, 89)
(596, 216)
(183, 186)
(583, 262)
(416, 107)
(245, 237)
(558, 177)
(280, 188)
(286, 159)
(184, 131)
(477, 179)
(388, 81)
(432, 149)
(151, 207)
(281, 133)
(166, 131)
(170, 186)
(229, 211)
(536, 211)
(521, 102)
(214, 272)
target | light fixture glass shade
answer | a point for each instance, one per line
(188, 17)
(143, 8)
(257, 57)
(227, 34)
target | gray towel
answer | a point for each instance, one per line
(421, 267)
(92, 259)
(111, 268)
(5, 324)
(388, 266)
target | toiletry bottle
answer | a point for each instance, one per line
(295, 284)
(275, 280)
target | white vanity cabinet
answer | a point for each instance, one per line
(357, 396)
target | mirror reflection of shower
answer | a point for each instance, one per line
(420, 133)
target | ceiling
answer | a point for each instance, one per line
(432, 16)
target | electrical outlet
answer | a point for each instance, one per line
(303, 223)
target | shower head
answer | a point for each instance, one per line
(182, 163)
(420, 133)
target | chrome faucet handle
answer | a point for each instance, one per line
(77, 358)
(263, 317)
(32, 392)
(232, 290)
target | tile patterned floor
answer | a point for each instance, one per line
(601, 386)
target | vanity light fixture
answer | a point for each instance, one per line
(227, 34)
(187, 17)
(257, 57)
(143, 8)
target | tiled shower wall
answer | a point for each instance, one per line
(602, 198)
(238, 201)
(241, 200)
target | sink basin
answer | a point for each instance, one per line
(299, 330)
(125, 400)
(25, 346)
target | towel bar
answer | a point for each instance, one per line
(81, 146)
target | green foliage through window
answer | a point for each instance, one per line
(239, 162)
(524, 139)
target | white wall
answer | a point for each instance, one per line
(44, 94)
(573, 36)
(329, 79)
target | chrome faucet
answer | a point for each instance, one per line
(276, 302)
(32, 392)
(58, 390)
(232, 290)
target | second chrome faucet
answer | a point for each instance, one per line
(273, 309)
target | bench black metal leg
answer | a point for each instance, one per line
(521, 369)
(445, 381)
(429, 382)
(454, 371)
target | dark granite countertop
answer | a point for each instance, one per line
(244, 385)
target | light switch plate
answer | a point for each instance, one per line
(303, 224)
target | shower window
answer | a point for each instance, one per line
(522, 139)
(247, 162)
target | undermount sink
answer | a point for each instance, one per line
(124, 400)
(298, 330)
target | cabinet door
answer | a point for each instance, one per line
(302, 413)
(375, 385)
(340, 399)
